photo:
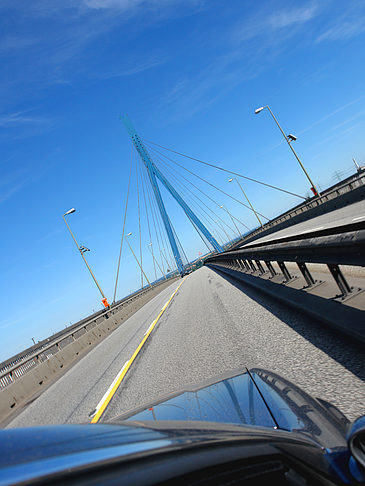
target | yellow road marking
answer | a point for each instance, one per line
(128, 364)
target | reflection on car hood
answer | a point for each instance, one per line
(244, 407)
(257, 397)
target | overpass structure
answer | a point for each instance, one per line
(289, 297)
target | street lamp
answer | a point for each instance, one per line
(290, 138)
(154, 259)
(249, 202)
(230, 215)
(82, 250)
(126, 239)
(224, 231)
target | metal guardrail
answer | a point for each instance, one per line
(334, 250)
(14, 368)
(345, 187)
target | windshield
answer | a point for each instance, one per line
(182, 213)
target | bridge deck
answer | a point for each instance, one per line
(210, 326)
(348, 215)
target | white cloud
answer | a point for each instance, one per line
(343, 30)
(129, 5)
(286, 18)
(264, 22)
(14, 119)
(139, 68)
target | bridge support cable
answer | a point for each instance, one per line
(194, 195)
(149, 197)
(139, 224)
(138, 263)
(165, 164)
(226, 170)
(201, 236)
(150, 245)
(198, 208)
(124, 219)
(155, 174)
(142, 151)
(164, 246)
(159, 232)
(185, 189)
(181, 248)
(188, 211)
(207, 182)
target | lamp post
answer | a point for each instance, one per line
(290, 138)
(230, 215)
(249, 202)
(154, 259)
(126, 239)
(224, 231)
(82, 250)
(164, 257)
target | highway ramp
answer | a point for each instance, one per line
(210, 326)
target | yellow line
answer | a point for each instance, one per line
(103, 406)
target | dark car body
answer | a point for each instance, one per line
(252, 428)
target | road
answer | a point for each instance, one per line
(353, 213)
(210, 326)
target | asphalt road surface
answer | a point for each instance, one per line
(210, 326)
(353, 213)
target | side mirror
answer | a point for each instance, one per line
(356, 440)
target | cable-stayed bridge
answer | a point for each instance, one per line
(287, 295)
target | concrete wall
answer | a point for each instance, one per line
(32, 383)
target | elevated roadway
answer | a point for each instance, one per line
(211, 325)
(349, 216)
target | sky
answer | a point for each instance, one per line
(189, 74)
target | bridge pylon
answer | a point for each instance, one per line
(154, 174)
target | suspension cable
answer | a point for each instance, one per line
(125, 215)
(205, 194)
(148, 188)
(226, 170)
(139, 224)
(179, 242)
(148, 220)
(161, 230)
(192, 222)
(168, 251)
(185, 188)
(232, 216)
(207, 182)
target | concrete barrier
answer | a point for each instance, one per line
(29, 385)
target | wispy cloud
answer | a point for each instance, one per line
(139, 68)
(331, 114)
(264, 23)
(19, 118)
(343, 30)
(349, 22)
(12, 43)
(13, 182)
(287, 18)
(241, 60)
(132, 5)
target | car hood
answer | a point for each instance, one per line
(256, 397)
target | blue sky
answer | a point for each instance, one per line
(189, 74)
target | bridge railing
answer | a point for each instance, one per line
(16, 367)
(333, 301)
(346, 188)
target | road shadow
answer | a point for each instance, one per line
(338, 346)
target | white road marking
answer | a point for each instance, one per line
(360, 217)
(148, 330)
(164, 307)
(111, 386)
